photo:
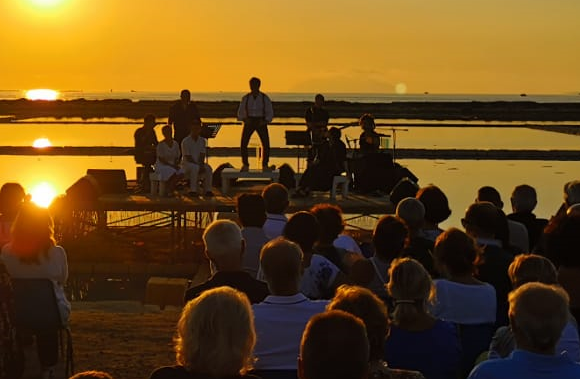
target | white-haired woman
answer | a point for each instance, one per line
(215, 338)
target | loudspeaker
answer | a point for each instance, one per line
(85, 190)
(110, 181)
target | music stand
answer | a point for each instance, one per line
(209, 131)
(298, 138)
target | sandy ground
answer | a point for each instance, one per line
(126, 339)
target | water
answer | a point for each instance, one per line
(285, 96)
(459, 179)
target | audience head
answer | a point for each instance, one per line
(412, 211)
(389, 237)
(411, 288)
(481, 220)
(572, 193)
(255, 84)
(167, 131)
(367, 122)
(532, 268)
(149, 121)
(538, 313)
(302, 228)
(275, 197)
(32, 233)
(489, 194)
(91, 375)
(334, 134)
(319, 100)
(524, 198)
(364, 304)
(562, 240)
(436, 204)
(334, 346)
(573, 210)
(403, 189)
(251, 210)
(12, 196)
(281, 263)
(330, 221)
(185, 96)
(224, 245)
(215, 333)
(456, 253)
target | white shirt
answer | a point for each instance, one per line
(193, 148)
(259, 106)
(280, 322)
(274, 225)
(169, 154)
(464, 303)
(53, 267)
(317, 279)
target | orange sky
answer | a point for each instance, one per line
(443, 46)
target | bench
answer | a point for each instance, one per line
(232, 173)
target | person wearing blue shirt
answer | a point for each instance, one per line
(538, 312)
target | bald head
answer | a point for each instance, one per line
(224, 244)
(412, 211)
(538, 313)
(281, 263)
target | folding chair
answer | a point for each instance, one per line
(36, 309)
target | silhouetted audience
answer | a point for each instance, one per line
(538, 313)
(461, 298)
(331, 225)
(480, 222)
(215, 338)
(252, 215)
(33, 253)
(224, 247)
(417, 340)
(12, 196)
(334, 346)
(11, 355)
(276, 199)
(362, 303)
(523, 201)
(281, 318)
(92, 375)
(436, 210)
(412, 212)
(517, 234)
(535, 268)
(321, 277)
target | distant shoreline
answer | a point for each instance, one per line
(437, 111)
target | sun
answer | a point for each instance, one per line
(43, 194)
(42, 94)
(41, 142)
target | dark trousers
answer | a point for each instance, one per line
(46, 345)
(251, 125)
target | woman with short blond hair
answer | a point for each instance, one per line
(215, 337)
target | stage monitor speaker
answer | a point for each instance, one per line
(83, 191)
(110, 181)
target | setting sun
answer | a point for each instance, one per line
(41, 142)
(42, 94)
(43, 194)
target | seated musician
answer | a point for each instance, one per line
(145, 149)
(373, 169)
(330, 161)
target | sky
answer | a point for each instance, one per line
(364, 46)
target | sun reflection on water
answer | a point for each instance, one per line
(42, 94)
(41, 142)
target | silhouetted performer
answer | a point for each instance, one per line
(146, 149)
(182, 115)
(256, 112)
(316, 117)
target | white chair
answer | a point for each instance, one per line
(157, 186)
(341, 180)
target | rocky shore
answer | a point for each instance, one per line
(485, 111)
